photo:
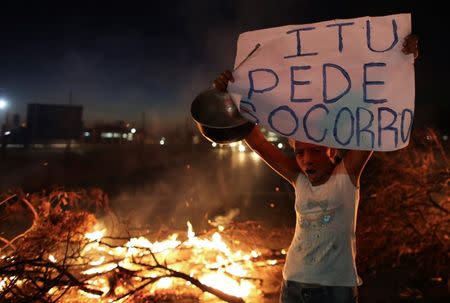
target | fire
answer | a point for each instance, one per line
(227, 284)
(208, 260)
(95, 235)
(99, 261)
(4, 283)
(100, 269)
(157, 247)
(52, 258)
(164, 283)
(116, 269)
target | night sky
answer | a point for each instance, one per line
(122, 60)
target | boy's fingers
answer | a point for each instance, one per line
(219, 85)
(221, 82)
(229, 75)
(411, 37)
(223, 78)
(410, 45)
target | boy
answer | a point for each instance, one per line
(320, 264)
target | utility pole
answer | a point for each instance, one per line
(69, 143)
(144, 129)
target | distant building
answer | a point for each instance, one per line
(53, 122)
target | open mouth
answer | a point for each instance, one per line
(310, 171)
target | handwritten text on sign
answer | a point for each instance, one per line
(340, 83)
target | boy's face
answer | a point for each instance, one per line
(315, 161)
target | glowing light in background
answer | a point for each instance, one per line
(3, 104)
(106, 135)
(255, 156)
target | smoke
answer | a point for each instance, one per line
(183, 189)
(211, 30)
(204, 186)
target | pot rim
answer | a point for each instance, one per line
(220, 104)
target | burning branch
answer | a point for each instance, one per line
(203, 287)
(38, 273)
(8, 244)
(7, 199)
(35, 222)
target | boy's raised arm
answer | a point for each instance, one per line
(276, 159)
(355, 161)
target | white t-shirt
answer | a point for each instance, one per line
(323, 249)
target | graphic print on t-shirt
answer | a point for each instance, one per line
(318, 239)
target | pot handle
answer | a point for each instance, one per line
(248, 56)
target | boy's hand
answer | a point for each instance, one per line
(221, 82)
(410, 45)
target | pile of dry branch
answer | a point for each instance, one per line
(48, 262)
(404, 216)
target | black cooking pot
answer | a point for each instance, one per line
(226, 135)
(217, 117)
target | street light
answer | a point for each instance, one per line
(3, 104)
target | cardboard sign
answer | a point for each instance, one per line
(340, 83)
